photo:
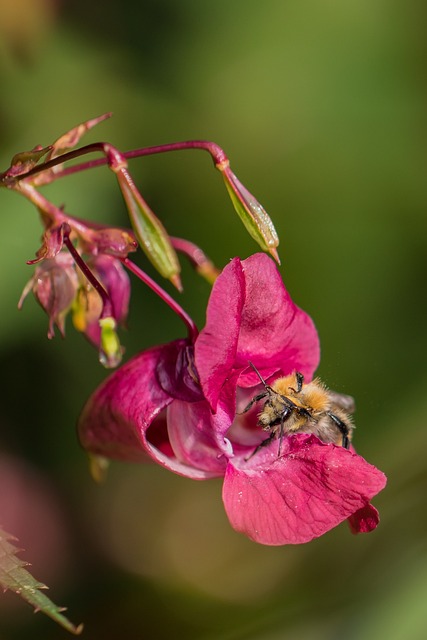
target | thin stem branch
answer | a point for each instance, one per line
(193, 332)
(218, 156)
(107, 310)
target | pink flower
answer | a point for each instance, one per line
(179, 404)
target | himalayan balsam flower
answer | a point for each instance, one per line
(180, 405)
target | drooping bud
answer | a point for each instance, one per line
(253, 215)
(54, 284)
(150, 233)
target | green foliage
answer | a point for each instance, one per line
(15, 577)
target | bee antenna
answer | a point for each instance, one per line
(258, 374)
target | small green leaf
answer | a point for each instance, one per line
(15, 577)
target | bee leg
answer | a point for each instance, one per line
(261, 445)
(282, 428)
(343, 428)
(300, 381)
(260, 396)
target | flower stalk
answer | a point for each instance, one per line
(176, 308)
(105, 298)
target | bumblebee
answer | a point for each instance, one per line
(292, 406)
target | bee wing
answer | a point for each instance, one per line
(343, 401)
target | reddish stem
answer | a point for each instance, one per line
(107, 310)
(218, 156)
(192, 329)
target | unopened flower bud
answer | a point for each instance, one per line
(149, 231)
(253, 215)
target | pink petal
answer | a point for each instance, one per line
(364, 520)
(215, 347)
(251, 317)
(274, 332)
(176, 371)
(118, 420)
(191, 436)
(310, 489)
(115, 281)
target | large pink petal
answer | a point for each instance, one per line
(274, 331)
(310, 489)
(251, 317)
(118, 421)
(215, 347)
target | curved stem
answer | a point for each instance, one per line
(193, 332)
(218, 156)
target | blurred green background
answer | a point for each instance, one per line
(321, 107)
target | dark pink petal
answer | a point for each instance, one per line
(215, 347)
(192, 438)
(176, 372)
(118, 420)
(310, 489)
(364, 520)
(115, 281)
(274, 332)
(251, 317)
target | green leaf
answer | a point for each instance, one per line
(15, 577)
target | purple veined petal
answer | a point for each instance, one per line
(215, 347)
(310, 489)
(274, 331)
(176, 371)
(119, 419)
(192, 438)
